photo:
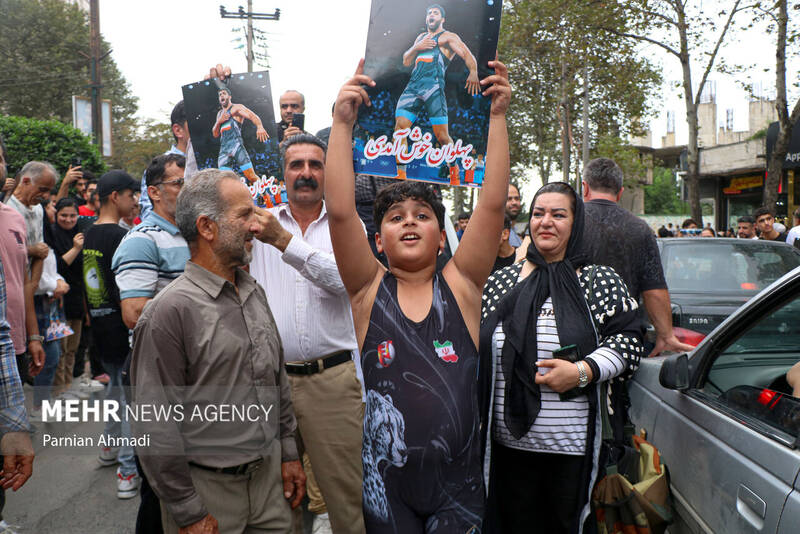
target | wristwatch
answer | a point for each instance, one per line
(35, 337)
(583, 378)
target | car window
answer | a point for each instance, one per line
(758, 373)
(731, 267)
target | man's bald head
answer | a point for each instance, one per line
(291, 102)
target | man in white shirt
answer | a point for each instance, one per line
(294, 263)
(37, 178)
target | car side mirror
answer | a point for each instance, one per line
(674, 372)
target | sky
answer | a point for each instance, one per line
(161, 45)
(315, 46)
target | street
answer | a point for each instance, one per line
(69, 493)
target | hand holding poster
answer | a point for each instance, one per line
(232, 127)
(428, 120)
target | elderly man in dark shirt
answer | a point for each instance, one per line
(211, 335)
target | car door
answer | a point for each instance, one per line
(730, 439)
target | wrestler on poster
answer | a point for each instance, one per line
(428, 120)
(232, 126)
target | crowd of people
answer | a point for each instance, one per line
(762, 224)
(412, 387)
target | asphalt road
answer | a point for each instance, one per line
(69, 493)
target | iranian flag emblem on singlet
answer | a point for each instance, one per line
(445, 351)
(386, 353)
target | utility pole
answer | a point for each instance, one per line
(250, 16)
(94, 52)
(249, 36)
(585, 124)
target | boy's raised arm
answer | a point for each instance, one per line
(357, 266)
(476, 252)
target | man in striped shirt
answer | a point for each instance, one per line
(153, 253)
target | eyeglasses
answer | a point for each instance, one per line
(176, 181)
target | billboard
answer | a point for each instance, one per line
(82, 120)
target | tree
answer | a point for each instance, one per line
(662, 197)
(548, 46)
(44, 50)
(634, 170)
(144, 140)
(48, 140)
(786, 120)
(682, 31)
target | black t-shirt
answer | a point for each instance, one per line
(781, 237)
(60, 241)
(501, 262)
(615, 237)
(102, 293)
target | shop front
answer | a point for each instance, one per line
(789, 194)
(742, 196)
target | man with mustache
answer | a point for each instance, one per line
(294, 263)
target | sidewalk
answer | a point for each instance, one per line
(69, 493)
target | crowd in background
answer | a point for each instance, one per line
(762, 224)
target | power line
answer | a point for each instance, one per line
(250, 16)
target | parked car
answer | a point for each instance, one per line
(725, 420)
(709, 278)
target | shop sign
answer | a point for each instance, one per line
(745, 182)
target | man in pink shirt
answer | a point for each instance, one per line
(21, 314)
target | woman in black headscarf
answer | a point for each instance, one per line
(541, 412)
(66, 241)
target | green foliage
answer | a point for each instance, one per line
(44, 49)
(548, 48)
(760, 134)
(145, 139)
(634, 169)
(663, 196)
(47, 140)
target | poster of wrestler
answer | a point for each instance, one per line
(428, 120)
(232, 126)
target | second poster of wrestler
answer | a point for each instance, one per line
(428, 120)
(232, 126)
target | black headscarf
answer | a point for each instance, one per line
(60, 240)
(519, 312)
